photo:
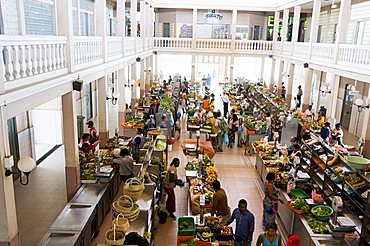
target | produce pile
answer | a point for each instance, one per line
(317, 226)
(167, 103)
(190, 242)
(133, 122)
(300, 204)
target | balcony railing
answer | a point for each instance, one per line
(301, 49)
(129, 46)
(26, 56)
(251, 45)
(354, 55)
(88, 49)
(215, 44)
(183, 43)
(287, 48)
(322, 51)
(114, 47)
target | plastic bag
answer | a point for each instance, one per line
(317, 198)
(133, 238)
(226, 139)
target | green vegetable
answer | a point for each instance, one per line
(300, 204)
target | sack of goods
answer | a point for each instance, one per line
(114, 237)
(133, 188)
(127, 207)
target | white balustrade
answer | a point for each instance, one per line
(357, 55)
(25, 56)
(114, 46)
(88, 49)
(253, 45)
(287, 48)
(322, 51)
(218, 44)
(278, 47)
(129, 46)
(139, 44)
(301, 49)
(184, 43)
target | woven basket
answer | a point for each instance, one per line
(133, 190)
(114, 236)
(127, 207)
(121, 223)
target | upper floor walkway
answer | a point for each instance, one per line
(29, 59)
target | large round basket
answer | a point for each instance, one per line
(114, 237)
(133, 188)
(121, 223)
(127, 207)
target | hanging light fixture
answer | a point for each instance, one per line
(25, 165)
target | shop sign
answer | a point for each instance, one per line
(213, 17)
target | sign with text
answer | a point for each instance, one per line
(213, 17)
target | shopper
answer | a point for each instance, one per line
(268, 121)
(220, 206)
(325, 131)
(222, 130)
(293, 141)
(337, 134)
(299, 96)
(226, 100)
(205, 103)
(270, 237)
(150, 123)
(244, 224)
(126, 164)
(163, 123)
(270, 202)
(169, 184)
(293, 240)
(92, 132)
(283, 92)
(233, 127)
(241, 129)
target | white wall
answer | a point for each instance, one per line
(248, 67)
(170, 64)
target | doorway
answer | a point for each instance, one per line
(166, 30)
(347, 106)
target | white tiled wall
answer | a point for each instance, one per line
(10, 17)
(39, 17)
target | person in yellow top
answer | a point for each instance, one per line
(320, 119)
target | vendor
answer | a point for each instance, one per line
(296, 152)
(85, 153)
(220, 206)
(150, 123)
(85, 139)
(322, 111)
(125, 164)
(92, 132)
(293, 141)
(320, 119)
(308, 113)
(205, 103)
(325, 131)
(337, 134)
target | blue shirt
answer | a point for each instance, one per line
(244, 223)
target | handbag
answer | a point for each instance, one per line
(226, 139)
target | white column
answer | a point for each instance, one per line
(121, 18)
(262, 69)
(344, 14)
(365, 133)
(134, 90)
(290, 84)
(280, 77)
(142, 77)
(195, 21)
(233, 28)
(72, 168)
(133, 14)
(102, 110)
(156, 67)
(142, 18)
(276, 26)
(296, 21)
(307, 89)
(21, 18)
(121, 81)
(334, 96)
(285, 25)
(151, 21)
(151, 71)
(192, 67)
(232, 69)
(101, 23)
(65, 28)
(315, 20)
(272, 75)
(8, 222)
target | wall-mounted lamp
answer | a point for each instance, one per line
(325, 90)
(305, 65)
(138, 59)
(360, 104)
(193, 65)
(232, 66)
(25, 165)
(149, 69)
(114, 98)
(77, 84)
(155, 52)
(130, 84)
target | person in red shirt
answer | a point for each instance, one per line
(92, 132)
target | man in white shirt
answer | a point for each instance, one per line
(226, 100)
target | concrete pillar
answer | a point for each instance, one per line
(147, 74)
(315, 20)
(156, 67)
(121, 18)
(70, 137)
(296, 22)
(142, 18)
(276, 26)
(280, 78)
(272, 75)
(307, 89)
(21, 17)
(151, 71)
(133, 14)
(193, 67)
(8, 223)
(366, 129)
(284, 29)
(103, 111)
(65, 28)
(233, 27)
(134, 90)
(142, 77)
(231, 76)
(290, 84)
(334, 96)
(344, 14)
(262, 69)
(101, 23)
(195, 21)
(121, 81)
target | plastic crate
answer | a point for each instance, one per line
(188, 231)
(181, 239)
